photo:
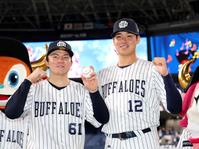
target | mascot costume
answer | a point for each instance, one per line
(14, 67)
(190, 113)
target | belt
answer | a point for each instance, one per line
(129, 134)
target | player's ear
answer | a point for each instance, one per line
(71, 62)
(138, 38)
(46, 61)
(113, 41)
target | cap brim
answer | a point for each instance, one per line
(114, 33)
(70, 52)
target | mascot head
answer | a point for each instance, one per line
(14, 67)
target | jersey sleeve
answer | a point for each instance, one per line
(89, 114)
(159, 86)
(167, 92)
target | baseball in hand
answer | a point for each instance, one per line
(87, 71)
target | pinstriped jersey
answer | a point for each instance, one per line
(58, 116)
(133, 95)
(13, 133)
(184, 142)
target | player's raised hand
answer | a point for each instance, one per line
(37, 75)
(89, 79)
(161, 65)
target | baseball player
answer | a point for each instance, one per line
(133, 91)
(14, 66)
(58, 107)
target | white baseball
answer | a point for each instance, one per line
(87, 71)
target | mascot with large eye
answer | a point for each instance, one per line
(190, 108)
(14, 67)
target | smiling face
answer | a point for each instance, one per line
(125, 43)
(12, 72)
(59, 62)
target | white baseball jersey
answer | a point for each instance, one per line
(13, 133)
(183, 142)
(58, 116)
(133, 95)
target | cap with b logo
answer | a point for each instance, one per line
(125, 25)
(60, 45)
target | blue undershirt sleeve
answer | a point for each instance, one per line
(173, 97)
(15, 105)
(100, 109)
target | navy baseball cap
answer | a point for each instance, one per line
(60, 45)
(125, 25)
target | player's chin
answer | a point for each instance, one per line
(60, 72)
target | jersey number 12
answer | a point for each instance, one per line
(135, 106)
